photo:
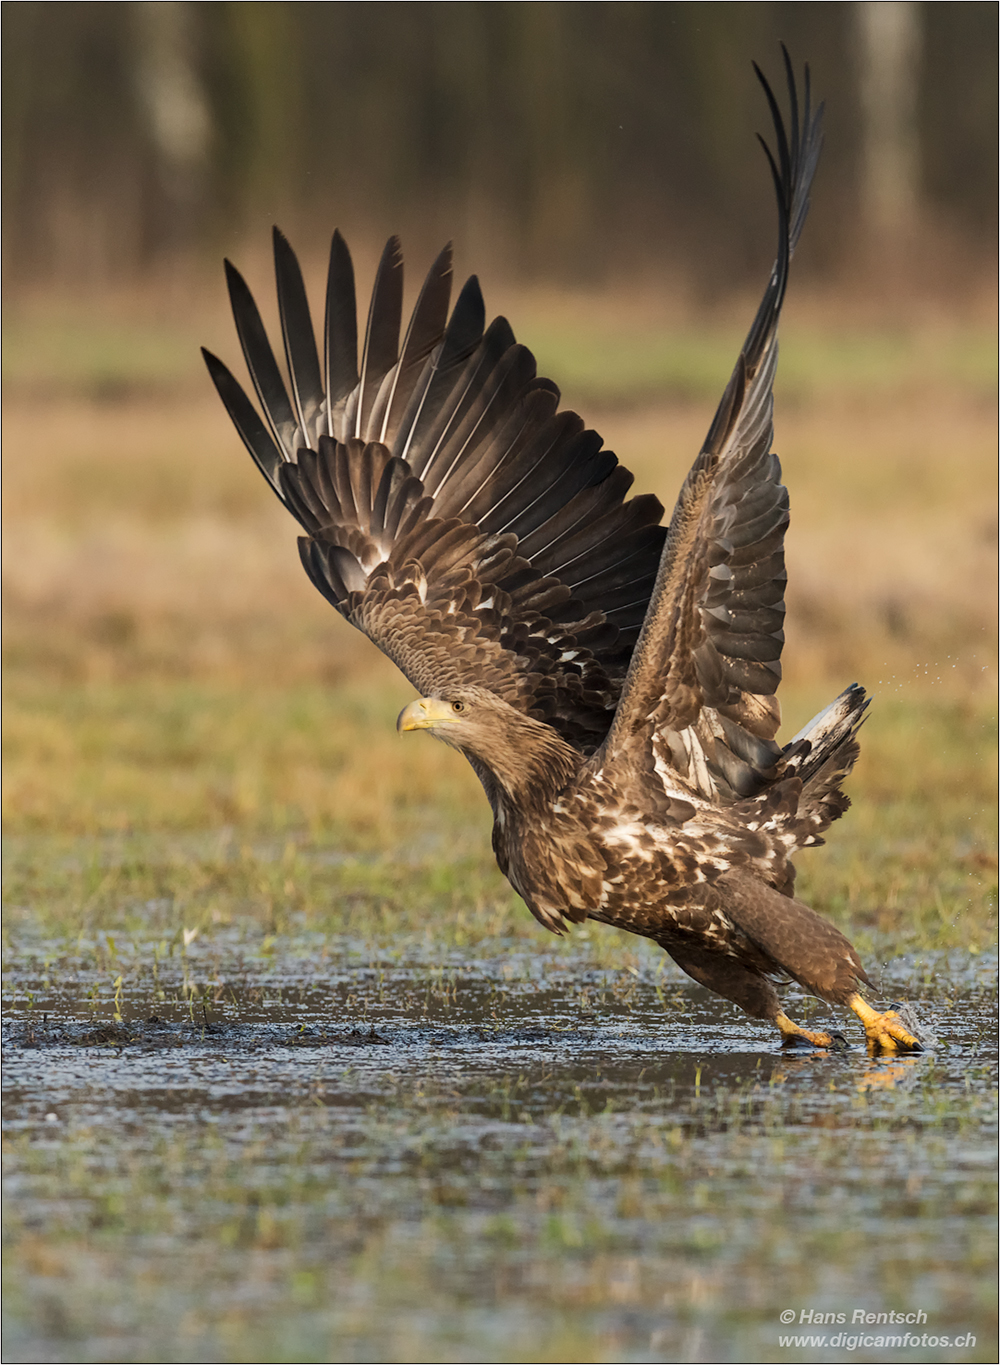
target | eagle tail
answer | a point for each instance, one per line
(821, 755)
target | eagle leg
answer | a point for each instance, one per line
(792, 1035)
(884, 1031)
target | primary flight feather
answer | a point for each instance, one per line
(611, 682)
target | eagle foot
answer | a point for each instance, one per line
(884, 1032)
(794, 1035)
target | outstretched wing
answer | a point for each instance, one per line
(475, 533)
(698, 702)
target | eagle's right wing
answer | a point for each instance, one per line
(698, 701)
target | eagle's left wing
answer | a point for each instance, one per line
(478, 535)
(698, 699)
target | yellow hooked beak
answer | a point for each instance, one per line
(425, 713)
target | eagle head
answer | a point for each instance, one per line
(517, 750)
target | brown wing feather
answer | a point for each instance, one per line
(454, 432)
(699, 696)
(451, 604)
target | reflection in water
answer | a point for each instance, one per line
(885, 1073)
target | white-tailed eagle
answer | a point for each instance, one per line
(612, 682)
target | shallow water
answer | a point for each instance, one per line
(303, 1150)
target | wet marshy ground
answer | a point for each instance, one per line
(300, 1149)
(430, 1132)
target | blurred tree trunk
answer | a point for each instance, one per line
(889, 57)
(169, 90)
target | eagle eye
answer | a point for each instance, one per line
(458, 706)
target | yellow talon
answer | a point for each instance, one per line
(792, 1032)
(884, 1031)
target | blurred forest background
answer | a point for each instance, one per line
(574, 142)
(596, 165)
